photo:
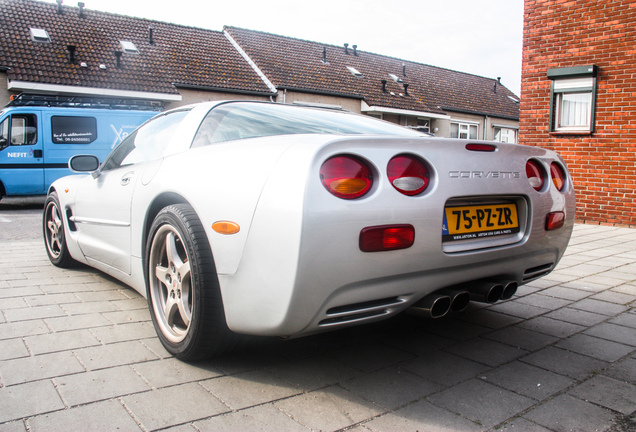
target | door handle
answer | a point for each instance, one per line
(37, 154)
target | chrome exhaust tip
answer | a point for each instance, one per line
(432, 306)
(459, 299)
(486, 291)
(510, 288)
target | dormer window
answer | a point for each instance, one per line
(39, 35)
(354, 71)
(129, 47)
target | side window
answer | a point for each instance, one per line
(147, 143)
(23, 129)
(73, 129)
(4, 133)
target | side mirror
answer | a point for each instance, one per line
(84, 164)
(4, 143)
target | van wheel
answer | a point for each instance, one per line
(183, 290)
(53, 230)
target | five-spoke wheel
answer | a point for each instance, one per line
(53, 228)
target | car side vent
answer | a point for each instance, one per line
(360, 311)
(69, 218)
(537, 272)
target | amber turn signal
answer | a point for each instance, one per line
(226, 227)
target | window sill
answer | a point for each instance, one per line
(570, 133)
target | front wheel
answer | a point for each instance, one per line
(183, 290)
(53, 230)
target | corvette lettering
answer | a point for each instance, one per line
(485, 174)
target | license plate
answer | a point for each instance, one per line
(479, 221)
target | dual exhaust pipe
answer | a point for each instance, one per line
(440, 303)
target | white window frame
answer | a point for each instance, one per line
(464, 128)
(505, 134)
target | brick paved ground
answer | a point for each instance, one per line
(78, 352)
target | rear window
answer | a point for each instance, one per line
(73, 130)
(241, 120)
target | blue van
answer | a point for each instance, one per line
(39, 134)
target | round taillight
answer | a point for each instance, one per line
(346, 177)
(558, 176)
(535, 174)
(408, 174)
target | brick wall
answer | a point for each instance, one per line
(562, 33)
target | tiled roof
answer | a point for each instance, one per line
(180, 55)
(295, 63)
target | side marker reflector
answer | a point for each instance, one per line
(226, 227)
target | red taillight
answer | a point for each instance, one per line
(346, 177)
(386, 238)
(558, 176)
(535, 174)
(554, 220)
(408, 174)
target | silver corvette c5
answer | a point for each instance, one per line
(276, 220)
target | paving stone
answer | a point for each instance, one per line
(260, 418)
(65, 288)
(577, 316)
(582, 270)
(15, 426)
(13, 292)
(521, 338)
(173, 405)
(155, 346)
(566, 293)
(609, 393)
(552, 327)
(482, 402)
(613, 332)
(615, 297)
(39, 367)
(624, 370)
(444, 368)
(87, 387)
(527, 380)
(543, 301)
(31, 313)
(103, 416)
(370, 357)
(169, 372)
(123, 332)
(595, 347)
(565, 413)
(117, 354)
(486, 351)
(332, 408)
(51, 299)
(62, 341)
(520, 310)
(422, 416)
(131, 304)
(12, 348)
(12, 303)
(490, 318)
(625, 319)
(77, 322)
(249, 389)
(128, 316)
(391, 388)
(566, 363)
(100, 296)
(520, 424)
(314, 372)
(27, 400)
(83, 308)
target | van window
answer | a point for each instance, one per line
(73, 129)
(147, 143)
(23, 130)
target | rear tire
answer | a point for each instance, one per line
(54, 233)
(183, 289)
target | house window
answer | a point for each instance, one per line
(464, 130)
(504, 134)
(573, 99)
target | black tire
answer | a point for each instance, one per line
(183, 289)
(54, 233)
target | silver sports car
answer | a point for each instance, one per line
(276, 220)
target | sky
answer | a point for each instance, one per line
(481, 37)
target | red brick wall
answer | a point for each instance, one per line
(562, 33)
